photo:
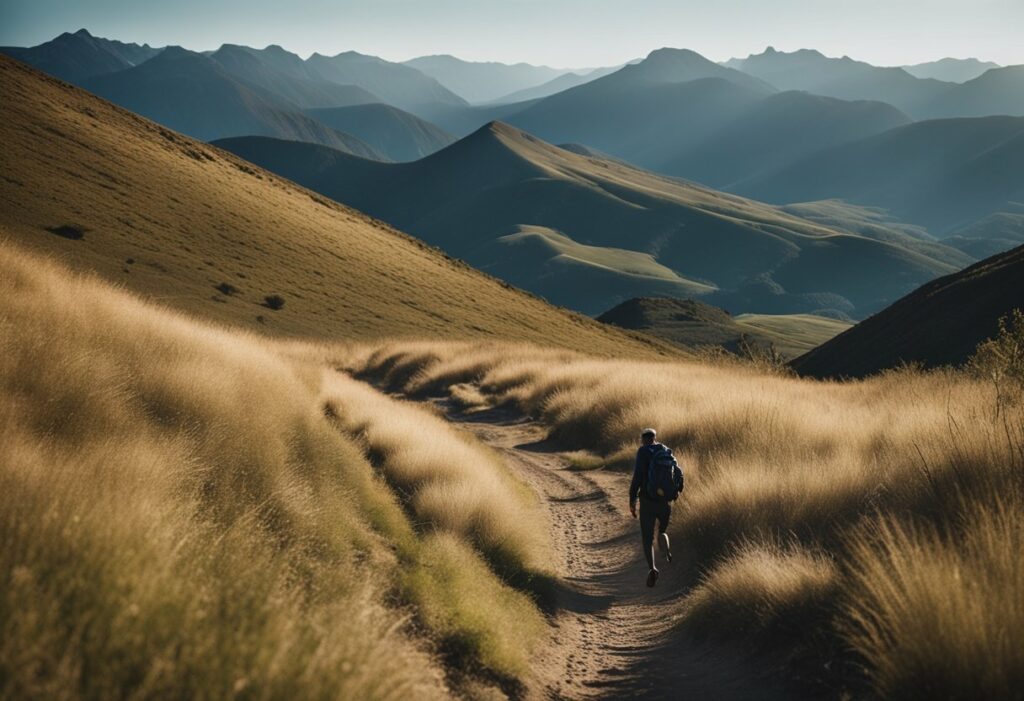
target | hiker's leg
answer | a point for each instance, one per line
(647, 516)
(664, 513)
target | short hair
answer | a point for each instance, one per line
(648, 432)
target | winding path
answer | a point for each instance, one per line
(612, 636)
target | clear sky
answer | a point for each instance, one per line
(562, 33)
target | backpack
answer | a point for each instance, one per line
(664, 477)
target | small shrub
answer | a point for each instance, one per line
(274, 302)
(1000, 360)
(226, 288)
(68, 231)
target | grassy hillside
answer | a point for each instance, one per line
(204, 232)
(195, 513)
(939, 324)
(697, 325)
(399, 135)
(474, 198)
(942, 174)
(859, 534)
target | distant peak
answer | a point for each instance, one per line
(83, 32)
(177, 52)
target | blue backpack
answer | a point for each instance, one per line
(664, 477)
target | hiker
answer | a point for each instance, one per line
(657, 481)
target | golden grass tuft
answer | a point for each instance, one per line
(760, 590)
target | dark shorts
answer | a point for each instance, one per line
(651, 511)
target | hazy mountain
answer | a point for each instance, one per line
(202, 231)
(951, 70)
(590, 233)
(194, 94)
(555, 85)
(483, 81)
(287, 76)
(75, 57)
(843, 78)
(693, 324)
(716, 130)
(399, 135)
(778, 130)
(939, 324)
(397, 84)
(999, 91)
(637, 119)
(942, 174)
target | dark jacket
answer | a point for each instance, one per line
(643, 461)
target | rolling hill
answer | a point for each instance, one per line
(697, 325)
(506, 201)
(199, 230)
(941, 174)
(194, 94)
(939, 324)
(399, 135)
(483, 81)
(75, 57)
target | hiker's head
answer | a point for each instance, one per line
(648, 435)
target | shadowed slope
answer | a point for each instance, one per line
(474, 197)
(205, 232)
(397, 134)
(939, 324)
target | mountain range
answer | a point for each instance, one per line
(812, 184)
(194, 94)
(589, 233)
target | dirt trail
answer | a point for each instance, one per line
(612, 635)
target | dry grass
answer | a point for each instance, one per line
(180, 519)
(760, 591)
(934, 457)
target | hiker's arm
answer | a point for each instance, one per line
(634, 486)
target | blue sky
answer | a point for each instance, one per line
(564, 33)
